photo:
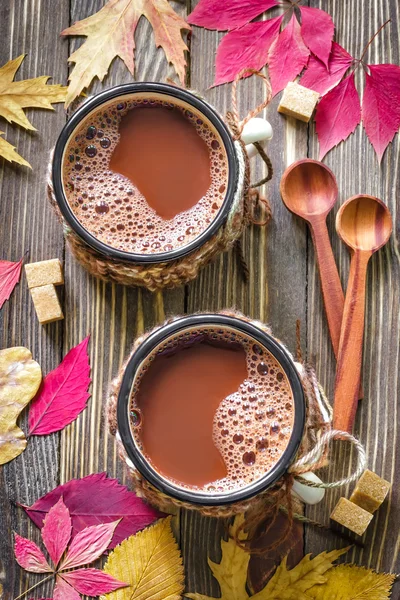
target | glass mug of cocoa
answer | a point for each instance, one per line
(148, 182)
(210, 411)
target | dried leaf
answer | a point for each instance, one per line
(243, 48)
(317, 77)
(317, 30)
(214, 14)
(10, 273)
(110, 33)
(338, 114)
(20, 378)
(63, 394)
(381, 105)
(349, 582)
(56, 531)
(150, 562)
(287, 56)
(292, 584)
(97, 499)
(17, 95)
(231, 574)
(88, 545)
(29, 556)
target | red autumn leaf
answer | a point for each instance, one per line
(29, 556)
(56, 531)
(92, 582)
(287, 56)
(317, 77)
(381, 105)
(96, 499)
(88, 545)
(243, 48)
(214, 14)
(317, 30)
(338, 114)
(10, 272)
(63, 591)
(64, 393)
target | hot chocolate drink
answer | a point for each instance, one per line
(145, 175)
(212, 410)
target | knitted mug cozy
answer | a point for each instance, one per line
(180, 270)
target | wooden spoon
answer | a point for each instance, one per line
(309, 190)
(365, 225)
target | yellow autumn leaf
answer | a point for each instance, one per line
(150, 563)
(349, 582)
(20, 378)
(293, 584)
(8, 152)
(17, 95)
(231, 572)
(110, 33)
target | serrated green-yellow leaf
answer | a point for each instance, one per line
(349, 582)
(150, 562)
(293, 584)
(231, 572)
(8, 152)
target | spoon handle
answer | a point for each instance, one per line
(350, 348)
(330, 282)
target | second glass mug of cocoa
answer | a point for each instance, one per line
(86, 144)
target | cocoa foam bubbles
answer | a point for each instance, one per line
(113, 208)
(249, 428)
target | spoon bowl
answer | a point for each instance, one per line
(309, 188)
(364, 223)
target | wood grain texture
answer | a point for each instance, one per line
(357, 170)
(284, 283)
(27, 223)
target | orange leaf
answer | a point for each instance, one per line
(110, 33)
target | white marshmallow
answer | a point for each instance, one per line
(307, 494)
(256, 130)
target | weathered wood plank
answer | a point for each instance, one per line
(276, 292)
(357, 170)
(27, 224)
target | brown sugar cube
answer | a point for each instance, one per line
(47, 304)
(370, 491)
(298, 101)
(44, 273)
(351, 516)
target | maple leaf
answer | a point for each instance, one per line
(338, 114)
(287, 56)
(349, 582)
(321, 79)
(88, 545)
(381, 105)
(97, 499)
(285, 584)
(20, 378)
(255, 44)
(10, 273)
(17, 95)
(63, 394)
(151, 564)
(110, 33)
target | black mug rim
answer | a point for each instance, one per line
(128, 89)
(148, 472)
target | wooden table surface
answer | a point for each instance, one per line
(283, 284)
